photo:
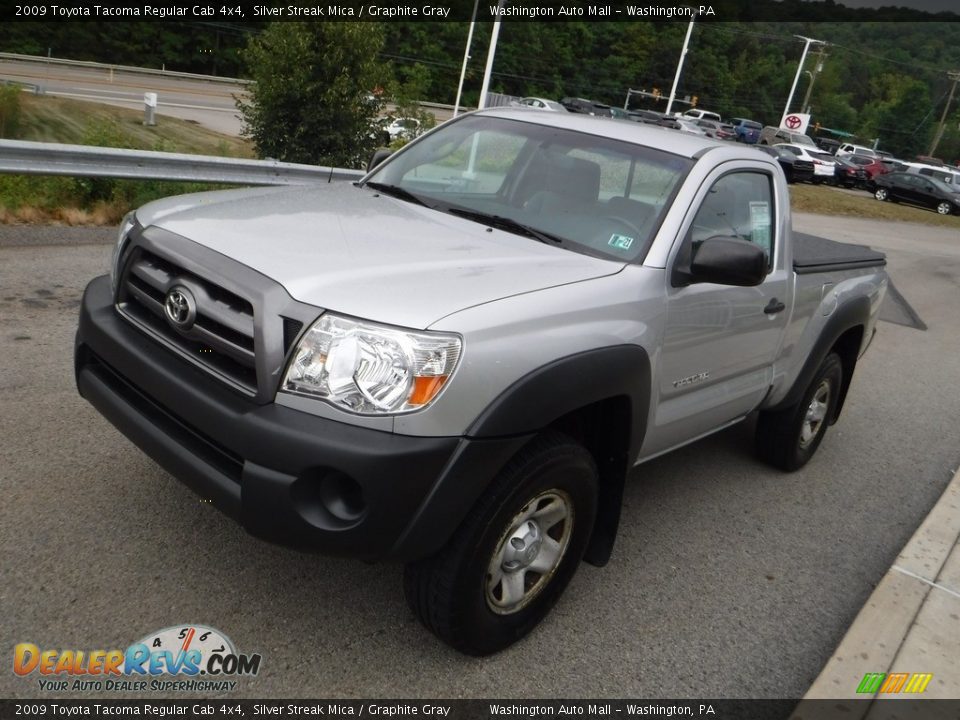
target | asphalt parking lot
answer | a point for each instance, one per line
(728, 580)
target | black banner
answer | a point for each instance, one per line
(240, 11)
(481, 709)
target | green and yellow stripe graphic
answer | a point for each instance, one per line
(894, 683)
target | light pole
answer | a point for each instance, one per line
(490, 53)
(813, 78)
(466, 57)
(683, 54)
(796, 78)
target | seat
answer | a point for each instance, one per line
(555, 182)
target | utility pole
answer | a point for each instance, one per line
(955, 76)
(813, 77)
(796, 78)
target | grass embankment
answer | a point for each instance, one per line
(99, 201)
(826, 200)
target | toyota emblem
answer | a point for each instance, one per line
(180, 308)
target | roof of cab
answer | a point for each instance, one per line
(678, 143)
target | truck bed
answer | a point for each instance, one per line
(812, 254)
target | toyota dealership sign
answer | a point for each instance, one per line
(795, 122)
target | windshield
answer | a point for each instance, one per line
(588, 193)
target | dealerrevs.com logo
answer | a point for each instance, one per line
(182, 658)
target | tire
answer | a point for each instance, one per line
(456, 594)
(881, 193)
(944, 208)
(788, 438)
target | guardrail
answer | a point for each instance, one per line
(35, 158)
(16, 57)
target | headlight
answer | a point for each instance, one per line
(371, 369)
(126, 225)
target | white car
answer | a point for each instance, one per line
(851, 149)
(406, 128)
(698, 114)
(541, 104)
(688, 125)
(823, 166)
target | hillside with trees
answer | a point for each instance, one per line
(879, 79)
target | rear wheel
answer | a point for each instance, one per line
(881, 194)
(788, 438)
(513, 556)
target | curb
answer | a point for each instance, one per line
(893, 620)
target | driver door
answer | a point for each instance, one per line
(720, 341)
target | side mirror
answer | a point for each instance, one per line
(725, 261)
(378, 157)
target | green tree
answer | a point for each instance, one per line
(311, 99)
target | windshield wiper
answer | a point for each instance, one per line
(397, 192)
(505, 223)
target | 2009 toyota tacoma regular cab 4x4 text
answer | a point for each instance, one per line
(455, 362)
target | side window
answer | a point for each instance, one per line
(739, 205)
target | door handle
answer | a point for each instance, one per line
(774, 306)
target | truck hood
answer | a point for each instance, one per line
(358, 252)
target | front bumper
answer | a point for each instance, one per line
(287, 476)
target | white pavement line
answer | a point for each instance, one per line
(924, 580)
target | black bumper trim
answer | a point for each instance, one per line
(266, 465)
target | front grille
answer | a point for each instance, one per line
(221, 338)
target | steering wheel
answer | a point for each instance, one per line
(634, 230)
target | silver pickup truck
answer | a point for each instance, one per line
(456, 361)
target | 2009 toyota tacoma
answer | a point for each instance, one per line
(456, 361)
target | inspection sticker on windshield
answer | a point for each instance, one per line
(620, 242)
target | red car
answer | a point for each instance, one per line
(871, 166)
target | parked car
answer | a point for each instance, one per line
(942, 173)
(823, 164)
(456, 361)
(651, 117)
(586, 107)
(542, 104)
(746, 131)
(916, 189)
(771, 135)
(893, 164)
(851, 149)
(847, 173)
(928, 160)
(716, 129)
(403, 127)
(828, 145)
(795, 169)
(689, 125)
(699, 114)
(871, 166)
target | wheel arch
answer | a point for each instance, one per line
(601, 399)
(843, 334)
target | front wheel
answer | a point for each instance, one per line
(881, 194)
(944, 208)
(509, 562)
(788, 438)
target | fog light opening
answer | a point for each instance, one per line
(342, 496)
